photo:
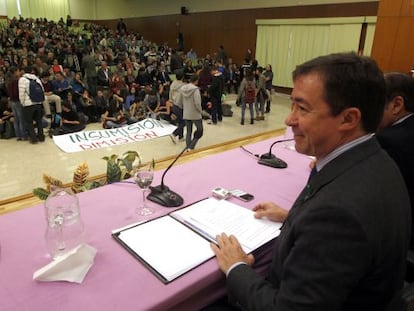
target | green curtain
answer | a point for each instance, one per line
(11, 7)
(50, 9)
(287, 43)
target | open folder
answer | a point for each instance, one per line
(174, 244)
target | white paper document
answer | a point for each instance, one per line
(180, 241)
(213, 217)
(167, 246)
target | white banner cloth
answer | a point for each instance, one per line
(89, 140)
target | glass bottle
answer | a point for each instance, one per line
(65, 229)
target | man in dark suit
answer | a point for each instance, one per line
(344, 241)
(104, 75)
(396, 134)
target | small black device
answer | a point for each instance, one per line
(242, 195)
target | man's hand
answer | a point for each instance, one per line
(229, 251)
(271, 211)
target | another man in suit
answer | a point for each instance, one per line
(396, 134)
(104, 75)
(344, 241)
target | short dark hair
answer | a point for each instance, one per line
(194, 77)
(400, 84)
(179, 74)
(350, 81)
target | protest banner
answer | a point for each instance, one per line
(88, 140)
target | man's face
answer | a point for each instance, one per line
(315, 129)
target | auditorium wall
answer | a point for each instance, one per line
(235, 29)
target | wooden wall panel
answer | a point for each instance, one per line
(393, 43)
(402, 54)
(390, 7)
(384, 41)
(236, 29)
(407, 8)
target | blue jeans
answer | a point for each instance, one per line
(190, 141)
(19, 124)
(243, 110)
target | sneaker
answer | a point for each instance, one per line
(173, 138)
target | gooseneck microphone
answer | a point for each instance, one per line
(163, 195)
(269, 159)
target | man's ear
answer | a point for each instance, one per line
(396, 105)
(351, 118)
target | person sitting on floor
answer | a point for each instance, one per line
(70, 122)
(137, 111)
(113, 117)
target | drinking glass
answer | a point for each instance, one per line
(143, 178)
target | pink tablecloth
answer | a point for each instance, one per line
(117, 281)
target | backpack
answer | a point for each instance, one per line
(250, 95)
(36, 93)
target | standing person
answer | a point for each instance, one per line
(89, 68)
(261, 96)
(343, 243)
(268, 73)
(192, 112)
(32, 110)
(180, 42)
(216, 92)
(177, 107)
(121, 26)
(396, 133)
(247, 95)
(222, 56)
(12, 84)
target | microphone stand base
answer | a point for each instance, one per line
(272, 162)
(162, 195)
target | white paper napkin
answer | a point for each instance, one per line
(70, 267)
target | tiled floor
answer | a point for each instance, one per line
(22, 164)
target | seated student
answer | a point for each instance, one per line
(118, 83)
(143, 78)
(89, 107)
(77, 107)
(113, 117)
(152, 103)
(165, 110)
(396, 133)
(78, 86)
(129, 99)
(50, 97)
(70, 122)
(137, 111)
(101, 102)
(130, 77)
(6, 120)
(60, 85)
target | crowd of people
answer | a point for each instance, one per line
(91, 73)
